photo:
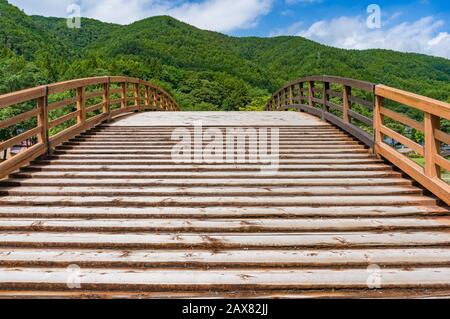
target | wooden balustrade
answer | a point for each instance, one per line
(429, 175)
(92, 101)
(307, 100)
(373, 131)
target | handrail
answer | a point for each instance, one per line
(294, 94)
(92, 108)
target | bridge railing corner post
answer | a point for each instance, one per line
(43, 121)
(107, 99)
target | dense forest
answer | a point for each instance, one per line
(204, 70)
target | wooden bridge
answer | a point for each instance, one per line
(98, 207)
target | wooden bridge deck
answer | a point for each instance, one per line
(111, 208)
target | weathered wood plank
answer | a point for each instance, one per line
(231, 258)
(243, 240)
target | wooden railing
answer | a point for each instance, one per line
(330, 98)
(71, 107)
(336, 104)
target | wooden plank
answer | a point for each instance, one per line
(20, 138)
(215, 175)
(206, 182)
(59, 104)
(253, 201)
(232, 241)
(95, 107)
(425, 104)
(91, 95)
(334, 106)
(214, 212)
(212, 191)
(209, 167)
(64, 119)
(360, 101)
(402, 119)
(21, 96)
(402, 139)
(19, 118)
(442, 136)
(229, 258)
(360, 118)
(442, 162)
(226, 225)
(223, 280)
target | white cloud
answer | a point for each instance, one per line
(422, 36)
(216, 15)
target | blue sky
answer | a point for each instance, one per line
(412, 26)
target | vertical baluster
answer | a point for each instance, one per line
(106, 99)
(311, 93)
(42, 120)
(81, 105)
(300, 95)
(325, 99)
(137, 98)
(432, 146)
(291, 95)
(147, 97)
(155, 100)
(346, 93)
(124, 95)
(378, 120)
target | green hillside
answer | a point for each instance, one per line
(204, 70)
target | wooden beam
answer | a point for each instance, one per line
(347, 105)
(432, 146)
(425, 104)
(81, 106)
(402, 119)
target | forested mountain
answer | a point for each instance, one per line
(204, 70)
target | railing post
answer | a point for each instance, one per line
(432, 146)
(81, 118)
(124, 95)
(279, 101)
(311, 93)
(378, 120)
(346, 93)
(42, 121)
(300, 95)
(291, 95)
(147, 97)
(137, 98)
(106, 99)
(325, 98)
(155, 100)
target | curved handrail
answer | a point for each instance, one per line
(301, 95)
(96, 99)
